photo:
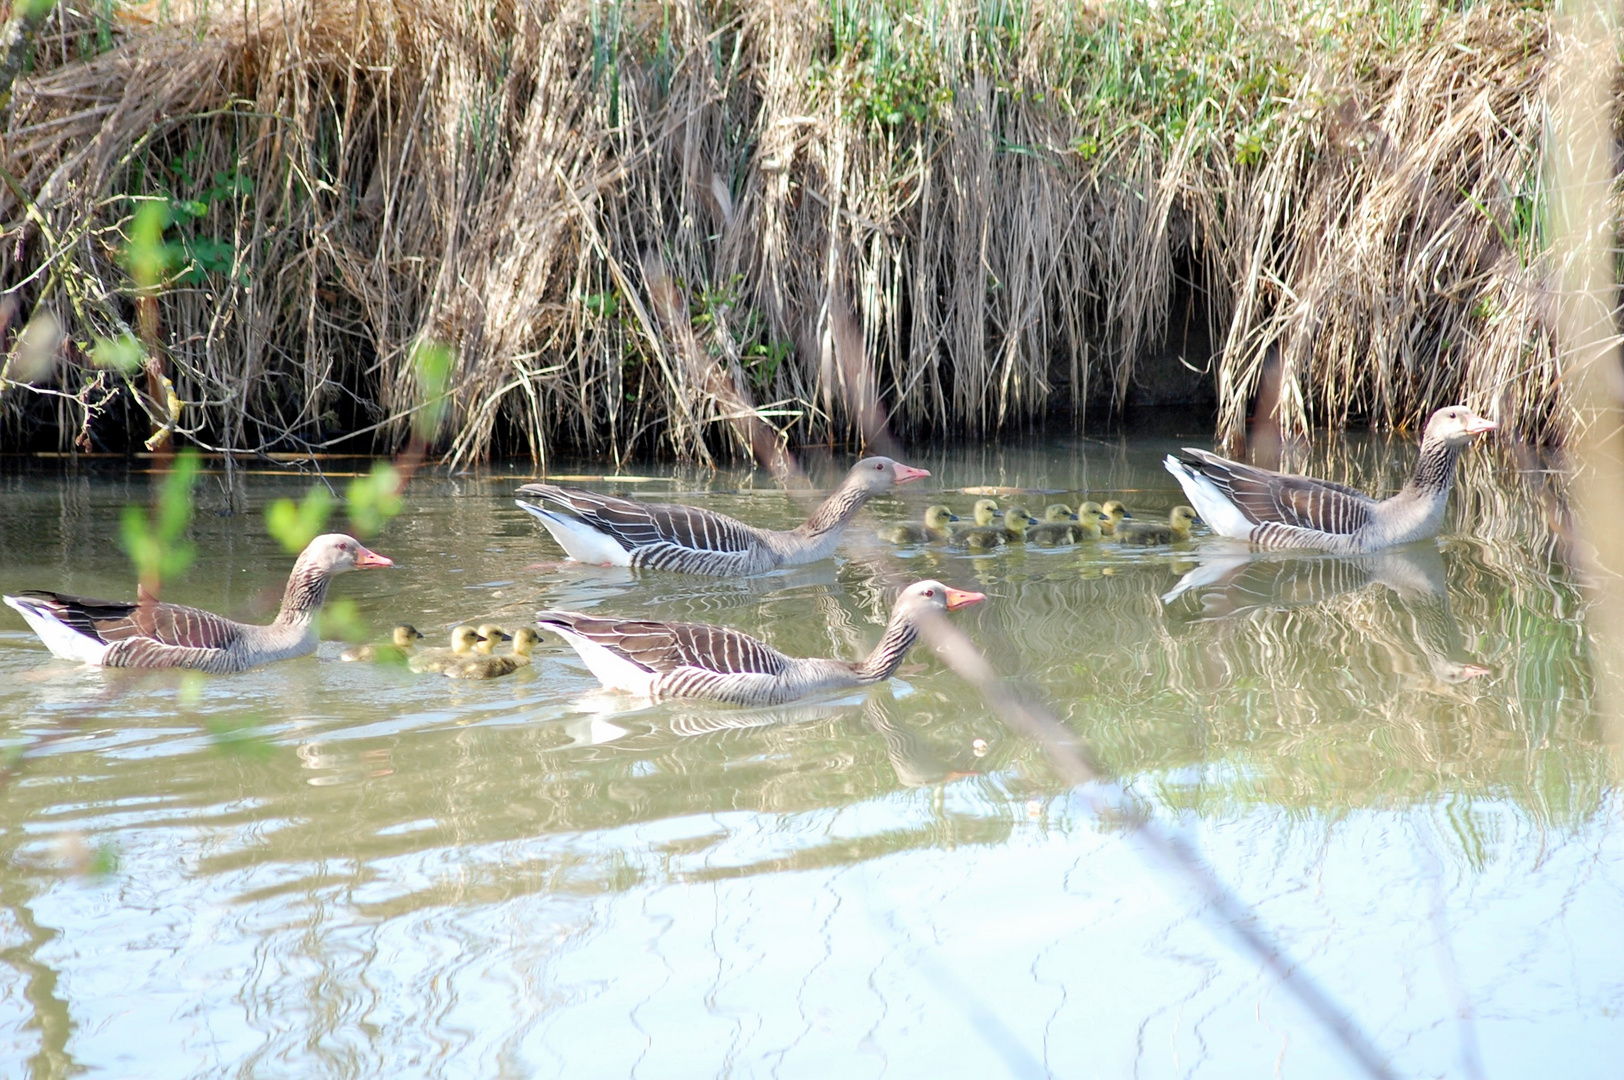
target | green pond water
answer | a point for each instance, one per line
(321, 869)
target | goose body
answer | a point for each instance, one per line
(399, 649)
(146, 633)
(494, 667)
(1147, 533)
(464, 639)
(935, 528)
(660, 660)
(1276, 510)
(602, 529)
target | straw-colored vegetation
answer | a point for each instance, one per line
(696, 227)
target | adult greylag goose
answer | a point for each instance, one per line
(146, 633)
(463, 641)
(525, 640)
(662, 536)
(935, 528)
(1059, 526)
(401, 642)
(1274, 510)
(1147, 533)
(660, 660)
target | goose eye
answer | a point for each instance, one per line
(877, 468)
(930, 592)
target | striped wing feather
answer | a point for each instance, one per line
(664, 647)
(1298, 501)
(636, 524)
(114, 621)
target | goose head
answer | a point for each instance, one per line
(938, 517)
(1456, 425)
(1057, 512)
(335, 553)
(405, 636)
(922, 595)
(877, 475)
(985, 511)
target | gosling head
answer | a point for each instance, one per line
(489, 635)
(985, 511)
(525, 639)
(1115, 511)
(464, 638)
(405, 636)
(1456, 425)
(1017, 519)
(938, 517)
(1181, 519)
(1057, 512)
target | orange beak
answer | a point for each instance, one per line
(906, 473)
(957, 598)
(1476, 425)
(366, 560)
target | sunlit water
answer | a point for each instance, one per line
(346, 870)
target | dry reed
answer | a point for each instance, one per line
(709, 228)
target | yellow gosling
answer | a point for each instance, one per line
(400, 649)
(494, 667)
(935, 528)
(1177, 528)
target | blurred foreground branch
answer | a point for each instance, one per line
(1109, 801)
(1580, 162)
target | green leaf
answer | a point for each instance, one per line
(341, 619)
(147, 257)
(156, 546)
(374, 499)
(294, 525)
(432, 363)
(123, 354)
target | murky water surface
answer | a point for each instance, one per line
(327, 869)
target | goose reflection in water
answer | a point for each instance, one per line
(1230, 584)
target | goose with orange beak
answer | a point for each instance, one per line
(148, 634)
(1276, 510)
(606, 531)
(660, 660)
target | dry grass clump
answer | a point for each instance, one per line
(709, 226)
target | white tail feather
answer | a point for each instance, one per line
(63, 640)
(1213, 506)
(610, 668)
(579, 540)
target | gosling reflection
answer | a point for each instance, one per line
(1229, 585)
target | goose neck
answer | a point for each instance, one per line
(305, 593)
(882, 663)
(1434, 470)
(834, 512)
